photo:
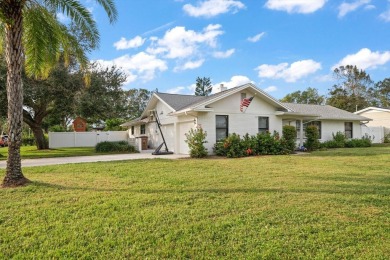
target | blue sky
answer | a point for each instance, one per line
(279, 45)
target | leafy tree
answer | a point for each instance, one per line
(354, 90)
(114, 124)
(32, 35)
(136, 101)
(382, 92)
(53, 96)
(103, 98)
(203, 86)
(308, 96)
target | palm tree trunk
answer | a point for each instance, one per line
(14, 57)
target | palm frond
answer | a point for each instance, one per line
(71, 48)
(41, 41)
(110, 9)
(79, 15)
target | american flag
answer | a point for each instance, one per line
(245, 103)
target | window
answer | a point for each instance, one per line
(305, 124)
(263, 124)
(222, 127)
(142, 129)
(132, 130)
(348, 126)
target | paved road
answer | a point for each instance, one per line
(95, 158)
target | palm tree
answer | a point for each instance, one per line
(34, 38)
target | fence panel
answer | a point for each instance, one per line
(84, 139)
(377, 133)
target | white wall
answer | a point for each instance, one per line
(84, 139)
(239, 123)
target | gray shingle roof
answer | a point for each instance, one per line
(179, 102)
(325, 111)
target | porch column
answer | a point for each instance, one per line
(301, 133)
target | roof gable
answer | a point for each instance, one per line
(372, 108)
(205, 101)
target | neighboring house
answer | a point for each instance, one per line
(379, 127)
(220, 114)
(379, 116)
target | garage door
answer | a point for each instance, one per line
(168, 131)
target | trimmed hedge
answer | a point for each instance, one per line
(121, 146)
(261, 144)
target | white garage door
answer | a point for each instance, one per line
(184, 128)
(168, 131)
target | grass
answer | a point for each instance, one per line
(31, 152)
(317, 206)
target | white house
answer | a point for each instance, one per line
(379, 127)
(222, 113)
(379, 116)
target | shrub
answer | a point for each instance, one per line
(57, 128)
(121, 146)
(339, 139)
(219, 148)
(312, 135)
(290, 136)
(28, 140)
(386, 139)
(196, 140)
(364, 142)
(233, 146)
(261, 144)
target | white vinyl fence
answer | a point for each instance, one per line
(376, 133)
(85, 139)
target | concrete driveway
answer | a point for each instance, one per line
(95, 158)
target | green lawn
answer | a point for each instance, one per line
(319, 206)
(31, 152)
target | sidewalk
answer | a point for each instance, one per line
(94, 158)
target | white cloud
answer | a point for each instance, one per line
(189, 65)
(235, 81)
(63, 18)
(370, 7)
(223, 54)
(256, 38)
(177, 90)
(210, 8)
(385, 16)
(365, 59)
(124, 44)
(295, 6)
(271, 89)
(139, 66)
(181, 43)
(189, 90)
(346, 8)
(292, 73)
